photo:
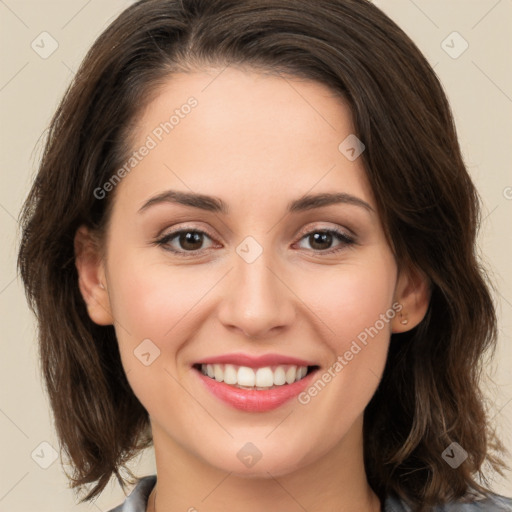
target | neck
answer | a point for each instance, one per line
(335, 481)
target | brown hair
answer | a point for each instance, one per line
(429, 395)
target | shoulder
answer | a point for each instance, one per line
(492, 503)
(138, 499)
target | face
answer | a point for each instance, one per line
(255, 284)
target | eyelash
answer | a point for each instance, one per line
(345, 240)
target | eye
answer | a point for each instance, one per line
(188, 242)
(321, 239)
(183, 241)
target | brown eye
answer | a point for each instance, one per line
(190, 240)
(183, 241)
(321, 240)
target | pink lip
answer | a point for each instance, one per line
(253, 400)
(255, 361)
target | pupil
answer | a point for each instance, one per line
(321, 238)
(188, 240)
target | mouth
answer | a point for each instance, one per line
(260, 379)
(255, 385)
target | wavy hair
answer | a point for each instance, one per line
(429, 395)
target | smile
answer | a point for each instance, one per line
(255, 384)
(264, 378)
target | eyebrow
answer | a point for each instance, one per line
(217, 205)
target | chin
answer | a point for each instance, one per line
(258, 459)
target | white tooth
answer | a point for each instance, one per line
(264, 378)
(246, 376)
(279, 376)
(301, 372)
(291, 373)
(219, 373)
(230, 374)
(209, 370)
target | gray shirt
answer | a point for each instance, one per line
(138, 499)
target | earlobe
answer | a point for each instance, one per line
(413, 294)
(91, 277)
(404, 320)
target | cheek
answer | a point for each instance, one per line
(151, 299)
(153, 305)
(355, 305)
(349, 299)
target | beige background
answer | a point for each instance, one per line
(478, 84)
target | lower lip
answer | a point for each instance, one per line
(253, 400)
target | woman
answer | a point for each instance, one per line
(251, 243)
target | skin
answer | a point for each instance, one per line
(257, 142)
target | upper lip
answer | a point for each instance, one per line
(255, 361)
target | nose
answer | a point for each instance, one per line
(257, 300)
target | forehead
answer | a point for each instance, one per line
(244, 134)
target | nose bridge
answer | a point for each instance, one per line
(257, 301)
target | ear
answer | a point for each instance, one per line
(91, 277)
(413, 293)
